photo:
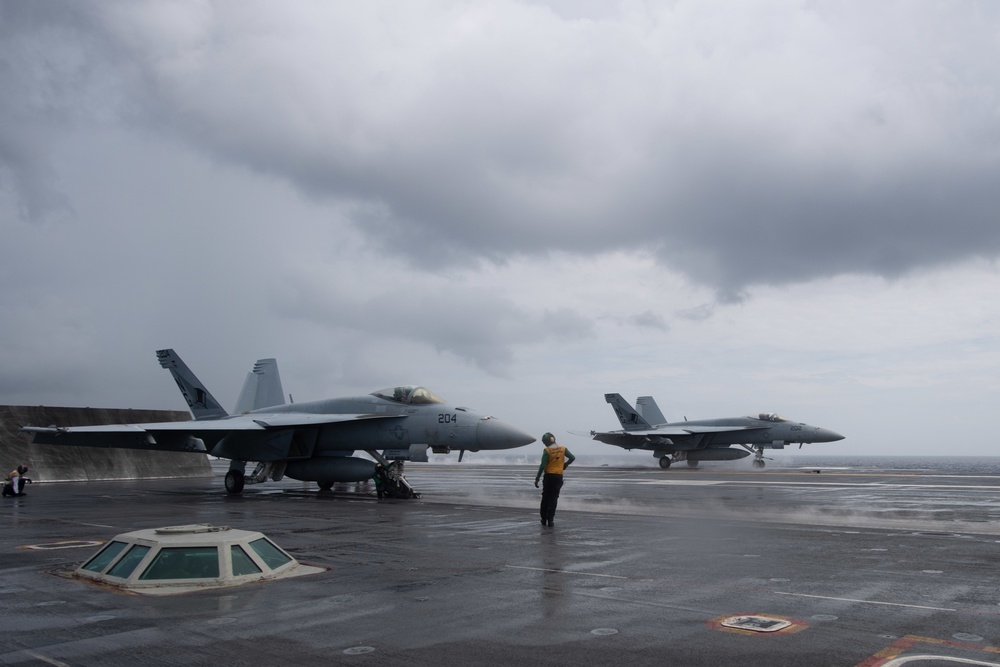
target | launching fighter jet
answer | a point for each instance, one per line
(707, 439)
(313, 441)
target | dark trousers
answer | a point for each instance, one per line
(9, 490)
(551, 484)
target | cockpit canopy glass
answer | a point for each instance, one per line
(769, 417)
(409, 394)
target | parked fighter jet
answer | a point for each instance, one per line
(306, 441)
(707, 439)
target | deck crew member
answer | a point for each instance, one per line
(555, 459)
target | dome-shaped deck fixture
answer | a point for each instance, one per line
(180, 559)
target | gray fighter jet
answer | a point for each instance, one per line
(313, 441)
(707, 439)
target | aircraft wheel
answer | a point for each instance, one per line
(664, 462)
(692, 464)
(325, 486)
(234, 482)
(757, 463)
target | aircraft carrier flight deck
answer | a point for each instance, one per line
(791, 565)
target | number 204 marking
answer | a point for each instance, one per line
(447, 419)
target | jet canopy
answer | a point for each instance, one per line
(769, 417)
(409, 394)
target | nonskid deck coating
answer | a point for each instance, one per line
(642, 567)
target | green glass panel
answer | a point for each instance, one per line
(104, 556)
(242, 563)
(129, 561)
(272, 556)
(183, 563)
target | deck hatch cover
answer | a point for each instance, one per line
(756, 623)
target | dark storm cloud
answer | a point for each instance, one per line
(776, 224)
(469, 323)
(764, 144)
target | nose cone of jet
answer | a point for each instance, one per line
(826, 435)
(494, 434)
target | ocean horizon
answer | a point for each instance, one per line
(778, 460)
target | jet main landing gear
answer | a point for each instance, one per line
(234, 482)
(237, 478)
(758, 455)
(667, 461)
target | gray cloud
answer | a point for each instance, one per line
(762, 146)
(702, 312)
(471, 324)
(649, 319)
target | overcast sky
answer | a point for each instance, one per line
(784, 206)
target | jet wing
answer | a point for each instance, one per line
(186, 436)
(664, 436)
(293, 419)
(680, 429)
(241, 423)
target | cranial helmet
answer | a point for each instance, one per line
(548, 439)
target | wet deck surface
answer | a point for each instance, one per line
(868, 566)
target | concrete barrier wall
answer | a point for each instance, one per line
(50, 463)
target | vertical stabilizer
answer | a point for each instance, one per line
(650, 411)
(203, 405)
(629, 418)
(262, 388)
